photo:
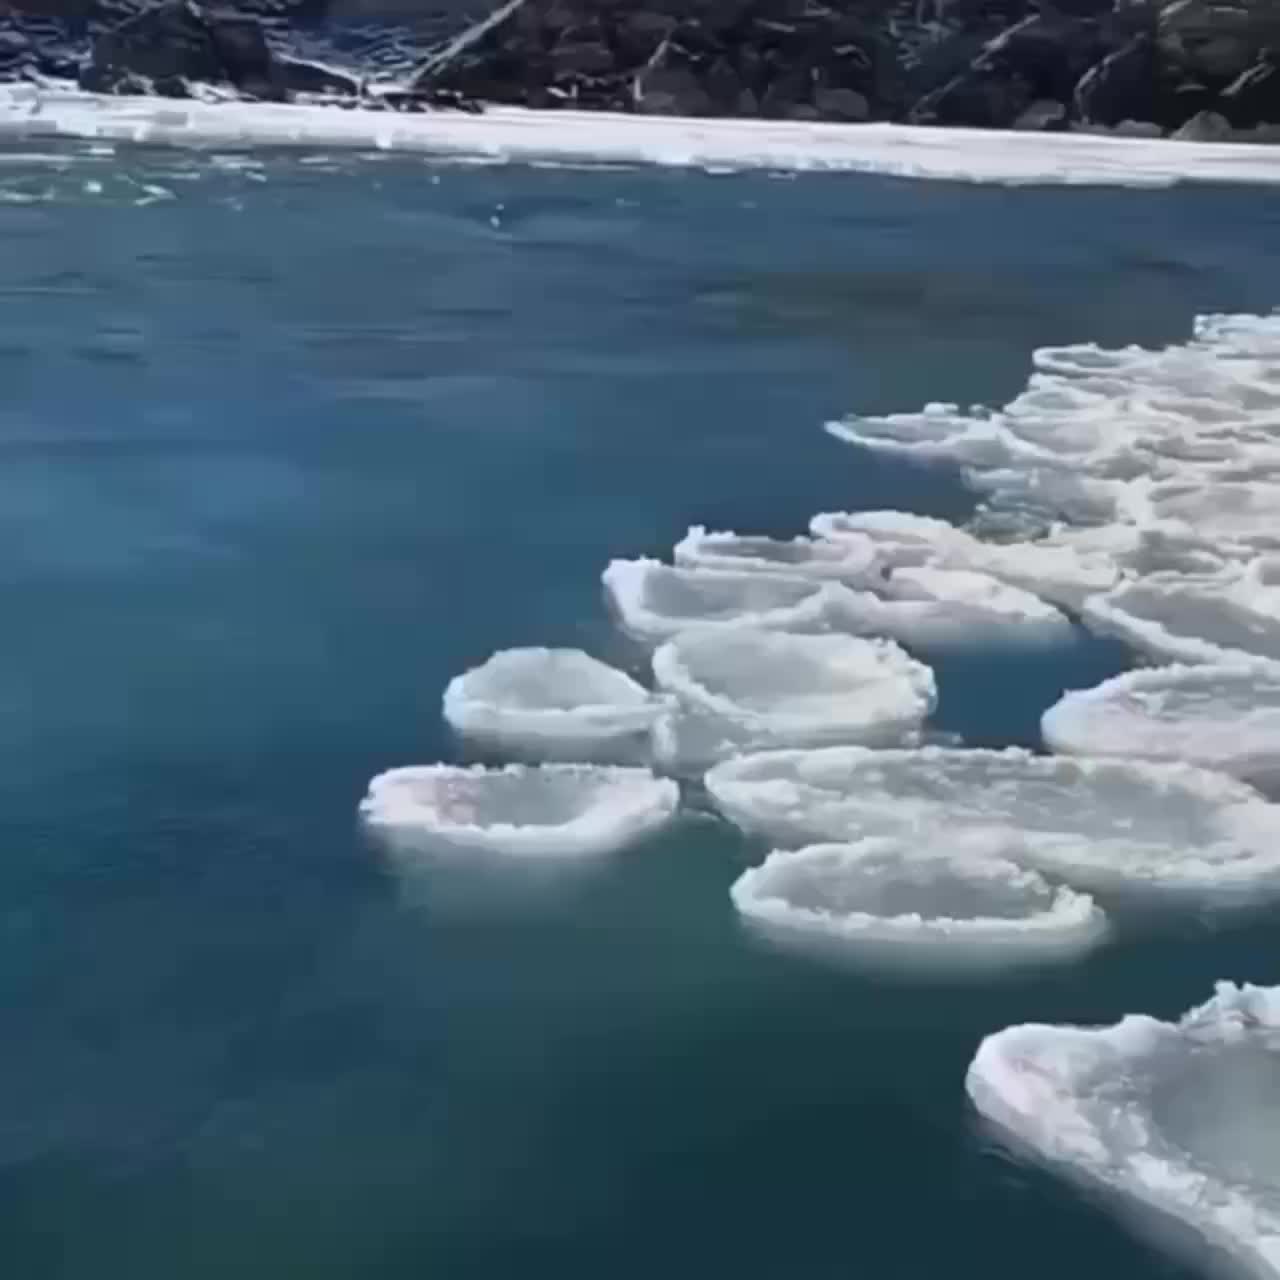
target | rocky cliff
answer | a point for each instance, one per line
(1194, 67)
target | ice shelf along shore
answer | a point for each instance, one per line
(584, 138)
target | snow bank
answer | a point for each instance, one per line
(1097, 823)
(1173, 1117)
(535, 812)
(552, 704)
(748, 690)
(890, 900)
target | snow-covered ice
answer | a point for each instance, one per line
(1061, 575)
(499, 135)
(747, 689)
(654, 600)
(1220, 717)
(850, 560)
(1178, 1119)
(890, 900)
(543, 811)
(554, 704)
(1104, 824)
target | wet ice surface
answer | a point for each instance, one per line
(552, 704)
(1175, 1117)
(554, 810)
(1099, 824)
(896, 903)
(1221, 717)
(744, 689)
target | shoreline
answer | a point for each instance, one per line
(594, 138)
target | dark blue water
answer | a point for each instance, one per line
(285, 444)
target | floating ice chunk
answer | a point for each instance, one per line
(1239, 515)
(552, 704)
(1059, 574)
(1144, 551)
(951, 609)
(1193, 412)
(553, 810)
(1219, 717)
(746, 689)
(900, 538)
(890, 900)
(1178, 1118)
(654, 601)
(1228, 617)
(981, 604)
(1103, 824)
(852, 560)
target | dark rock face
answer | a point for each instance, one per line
(170, 45)
(1193, 67)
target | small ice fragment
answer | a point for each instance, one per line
(889, 900)
(748, 690)
(1176, 1119)
(1218, 717)
(654, 600)
(552, 704)
(547, 811)
(1100, 824)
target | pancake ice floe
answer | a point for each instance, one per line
(552, 704)
(851, 560)
(1219, 717)
(1099, 824)
(543, 811)
(889, 901)
(745, 689)
(951, 609)
(654, 600)
(1233, 615)
(1177, 1119)
(1060, 575)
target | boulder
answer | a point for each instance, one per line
(841, 104)
(1217, 38)
(168, 47)
(1040, 58)
(1123, 86)
(669, 84)
(1205, 126)
(1253, 98)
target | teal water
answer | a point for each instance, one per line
(287, 442)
